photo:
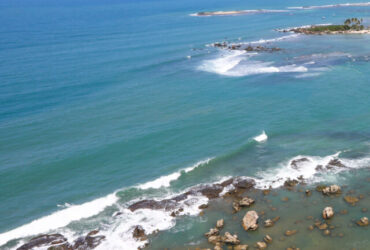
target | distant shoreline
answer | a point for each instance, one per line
(235, 12)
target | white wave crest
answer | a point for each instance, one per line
(120, 234)
(236, 12)
(165, 181)
(60, 218)
(309, 169)
(261, 138)
(277, 39)
(331, 6)
(236, 63)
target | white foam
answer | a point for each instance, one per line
(261, 138)
(59, 219)
(236, 12)
(277, 39)
(331, 6)
(119, 236)
(236, 64)
(307, 169)
(165, 181)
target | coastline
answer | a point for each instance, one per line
(277, 221)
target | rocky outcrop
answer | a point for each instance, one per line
(88, 242)
(212, 232)
(295, 164)
(246, 202)
(364, 221)
(335, 163)
(211, 191)
(261, 245)
(43, 240)
(250, 221)
(228, 238)
(59, 242)
(220, 223)
(328, 213)
(267, 239)
(139, 233)
(268, 223)
(333, 189)
(248, 48)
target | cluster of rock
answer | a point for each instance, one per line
(249, 48)
(59, 242)
(218, 240)
(210, 191)
(312, 30)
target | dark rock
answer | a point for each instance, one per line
(335, 163)
(203, 206)
(290, 183)
(42, 240)
(139, 233)
(295, 163)
(88, 242)
(244, 183)
(212, 191)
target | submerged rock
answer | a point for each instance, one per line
(351, 199)
(250, 221)
(139, 233)
(328, 213)
(290, 232)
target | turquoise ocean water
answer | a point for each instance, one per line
(105, 102)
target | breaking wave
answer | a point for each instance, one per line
(331, 6)
(236, 12)
(312, 169)
(261, 138)
(165, 181)
(237, 63)
(60, 218)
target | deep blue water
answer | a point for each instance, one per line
(100, 96)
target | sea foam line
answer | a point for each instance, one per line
(236, 12)
(237, 64)
(330, 6)
(165, 181)
(60, 218)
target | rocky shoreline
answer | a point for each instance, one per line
(239, 192)
(245, 47)
(310, 31)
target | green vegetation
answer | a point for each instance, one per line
(349, 24)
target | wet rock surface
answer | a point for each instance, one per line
(59, 242)
(248, 48)
(43, 240)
